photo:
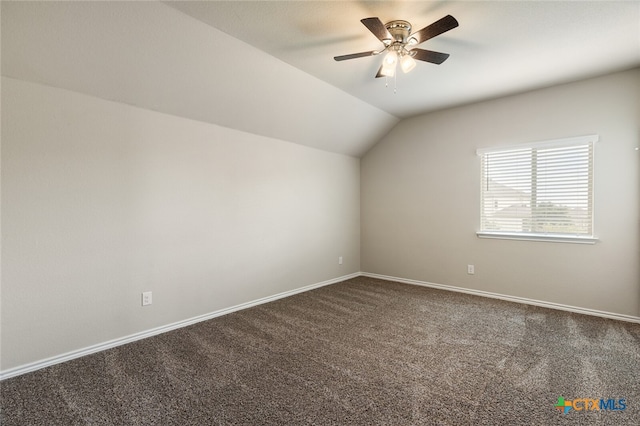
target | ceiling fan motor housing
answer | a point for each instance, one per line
(399, 30)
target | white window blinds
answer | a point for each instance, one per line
(540, 189)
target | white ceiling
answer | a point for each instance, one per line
(266, 67)
(499, 48)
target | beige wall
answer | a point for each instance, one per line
(101, 201)
(420, 198)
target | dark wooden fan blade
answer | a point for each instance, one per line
(378, 29)
(354, 55)
(429, 56)
(379, 73)
(441, 26)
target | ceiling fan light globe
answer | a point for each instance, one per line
(407, 63)
(388, 70)
(391, 58)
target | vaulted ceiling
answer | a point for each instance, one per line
(266, 67)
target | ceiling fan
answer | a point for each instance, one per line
(399, 42)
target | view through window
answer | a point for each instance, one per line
(540, 189)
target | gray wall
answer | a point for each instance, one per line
(101, 201)
(420, 195)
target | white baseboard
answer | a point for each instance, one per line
(524, 300)
(27, 368)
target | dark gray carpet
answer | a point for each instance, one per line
(364, 351)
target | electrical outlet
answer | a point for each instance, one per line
(340, 260)
(146, 298)
(471, 269)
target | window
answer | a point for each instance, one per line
(539, 191)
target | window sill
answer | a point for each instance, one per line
(537, 237)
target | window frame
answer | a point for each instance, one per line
(535, 236)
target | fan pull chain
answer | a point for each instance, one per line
(395, 83)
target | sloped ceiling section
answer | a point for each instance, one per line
(500, 48)
(152, 56)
